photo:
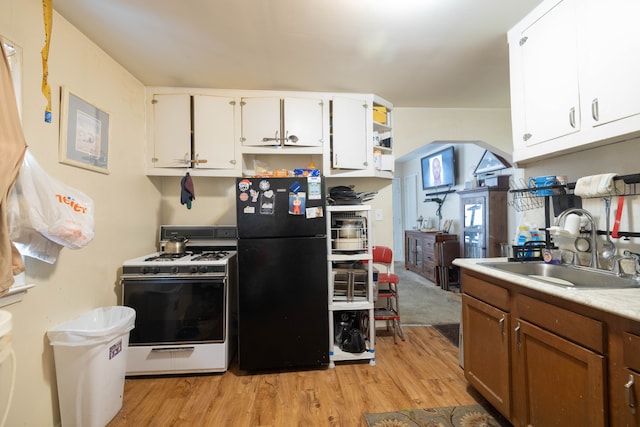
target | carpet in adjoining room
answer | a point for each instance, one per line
(423, 302)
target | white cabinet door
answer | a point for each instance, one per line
(214, 132)
(303, 118)
(298, 123)
(260, 121)
(610, 71)
(171, 130)
(549, 77)
(351, 142)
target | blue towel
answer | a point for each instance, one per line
(187, 193)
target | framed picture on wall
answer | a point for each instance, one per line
(490, 162)
(84, 133)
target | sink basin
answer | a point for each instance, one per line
(566, 276)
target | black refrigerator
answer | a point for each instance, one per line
(283, 316)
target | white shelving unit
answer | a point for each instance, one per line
(351, 288)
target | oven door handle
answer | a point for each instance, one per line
(172, 349)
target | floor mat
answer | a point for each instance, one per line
(451, 332)
(450, 416)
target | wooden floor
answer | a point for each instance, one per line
(420, 372)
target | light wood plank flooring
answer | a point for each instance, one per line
(420, 372)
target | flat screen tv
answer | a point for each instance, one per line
(438, 169)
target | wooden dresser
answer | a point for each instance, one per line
(419, 252)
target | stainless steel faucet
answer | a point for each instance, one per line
(594, 232)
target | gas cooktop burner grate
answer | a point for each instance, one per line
(211, 256)
(166, 257)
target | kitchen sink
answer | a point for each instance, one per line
(567, 276)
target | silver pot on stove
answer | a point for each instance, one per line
(176, 245)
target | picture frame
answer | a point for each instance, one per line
(84, 133)
(490, 162)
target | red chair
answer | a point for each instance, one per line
(387, 290)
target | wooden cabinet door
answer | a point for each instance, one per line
(560, 384)
(171, 130)
(487, 355)
(549, 72)
(350, 141)
(214, 132)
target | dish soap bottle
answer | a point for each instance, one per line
(523, 237)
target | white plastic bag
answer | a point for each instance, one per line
(58, 211)
(27, 240)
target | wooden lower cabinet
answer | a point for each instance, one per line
(538, 363)
(487, 352)
(560, 383)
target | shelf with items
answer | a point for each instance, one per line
(351, 288)
(561, 197)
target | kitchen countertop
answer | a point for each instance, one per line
(621, 302)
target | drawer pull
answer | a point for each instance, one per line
(172, 349)
(629, 395)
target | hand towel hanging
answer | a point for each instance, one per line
(187, 193)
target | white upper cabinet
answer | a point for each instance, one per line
(548, 76)
(361, 137)
(574, 77)
(229, 132)
(610, 51)
(192, 131)
(351, 139)
(214, 136)
(273, 121)
(171, 131)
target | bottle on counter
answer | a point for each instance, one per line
(524, 235)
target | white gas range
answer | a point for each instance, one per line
(186, 303)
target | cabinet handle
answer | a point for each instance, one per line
(172, 349)
(572, 117)
(629, 395)
(501, 322)
(517, 330)
(594, 110)
(526, 136)
(186, 160)
(523, 41)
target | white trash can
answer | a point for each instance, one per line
(90, 355)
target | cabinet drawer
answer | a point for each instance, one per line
(631, 347)
(572, 326)
(430, 271)
(485, 291)
(429, 256)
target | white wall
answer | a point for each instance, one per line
(127, 203)
(471, 131)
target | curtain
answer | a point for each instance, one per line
(12, 149)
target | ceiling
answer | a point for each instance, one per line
(414, 53)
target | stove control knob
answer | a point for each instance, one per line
(203, 269)
(154, 270)
(193, 269)
(175, 269)
(144, 270)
